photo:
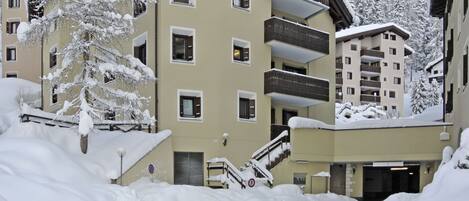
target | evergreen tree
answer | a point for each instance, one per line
(434, 93)
(95, 27)
(419, 96)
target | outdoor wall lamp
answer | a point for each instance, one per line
(225, 139)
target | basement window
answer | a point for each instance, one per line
(246, 106)
(190, 105)
(241, 4)
(190, 3)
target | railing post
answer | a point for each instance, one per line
(268, 156)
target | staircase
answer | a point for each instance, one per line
(223, 174)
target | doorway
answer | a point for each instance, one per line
(381, 182)
(338, 178)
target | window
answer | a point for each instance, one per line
(11, 75)
(385, 64)
(397, 80)
(392, 94)
(14, 3)
(353, 47)
(349, 75)
(272, 116)
(55, 96)
(53, 57)
(287, 114)
(272, 64)
(449, 102)
(393, 51)
(140, 48)
(396, 66)
(182, 45)
(465, 67)
(299, 179)
(189, 168)
(385, 79)
(348, 60)
(241, 51)
(246, 106)
(108, 77)
(190, 104)
(139, 8)
(294, 69)
(110, 115)
(394, 107)
(393, 37)
(243, 4)
(350, 91)
(435, 72)
(385, 93)
(183, 2)
(386, 108)
(386, 36)
(466, 5)
(12, 27)
(35, 9)
(11, 53)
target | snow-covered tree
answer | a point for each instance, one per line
(434, 93)
(95, 28)
(419, 96)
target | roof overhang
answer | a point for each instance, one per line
(301, 8)
(340, 13)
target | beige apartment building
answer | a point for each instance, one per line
(455, 61)
(21, 61)
(370, 65)
(230, 76)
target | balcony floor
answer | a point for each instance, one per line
(294, 53)
(278, 98)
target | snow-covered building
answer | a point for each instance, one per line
(434, 71)
(370, 65)
(21, 61)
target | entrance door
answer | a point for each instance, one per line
(381, 182)
(189, 168)
(338, 179)
(287, 114)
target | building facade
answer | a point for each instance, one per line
(19, 60)
(455, 61)
(434, 71)
(370, 65)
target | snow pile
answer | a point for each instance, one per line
(347, 113)
(403, 197)
(14, 91)
(158, 191)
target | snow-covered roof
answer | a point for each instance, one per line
(434, 63)
(300, 122)
(408, 50)
(371, 29)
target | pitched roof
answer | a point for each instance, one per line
(370, 30)
(433, 63)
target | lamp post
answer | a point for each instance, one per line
(121, 153)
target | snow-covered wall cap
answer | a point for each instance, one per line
(434, 63)
(370, 30)
(300, 122)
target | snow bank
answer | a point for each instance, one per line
(159, 191)
(300, 122)
(403, 197)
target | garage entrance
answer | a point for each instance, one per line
(381, 182)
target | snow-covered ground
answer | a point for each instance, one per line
(434, 113)
(45, 163)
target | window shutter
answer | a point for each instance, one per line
(245, 3)
(174, 46)
(197, 107)
(143, 52)
(51, 62)
(181, 106)
(246, 54)
(465, 70)
(136, 52)
(252, 109)
(8, 27)
(190, 48)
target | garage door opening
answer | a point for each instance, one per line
(381, 182)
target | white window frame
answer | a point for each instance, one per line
(242, 9)
(248, 44)
(6, 54)
(10, 20)
(192, 4)
(251, 96)
(194, 93)
(194, 45)
(136, 41)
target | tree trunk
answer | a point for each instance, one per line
(84, 143)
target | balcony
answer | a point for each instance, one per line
(367, 69)
(294, 41)
(295, 89)
(301, 8)
(370, 84)
(370, 99)
(339, 81)
(371, 55)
